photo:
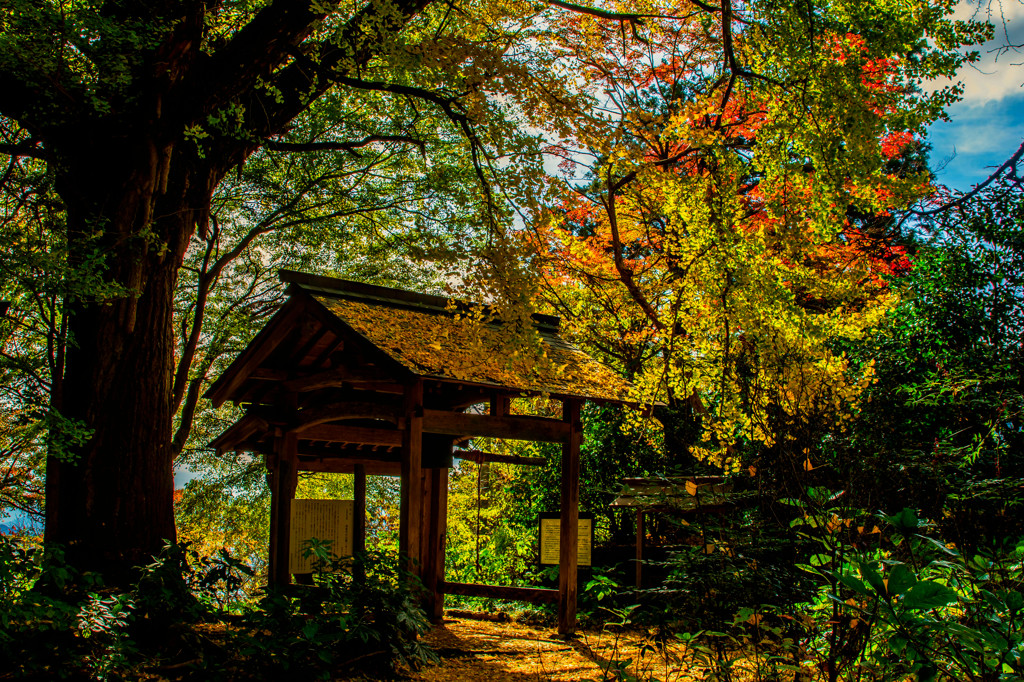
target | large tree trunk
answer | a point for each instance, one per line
(136, 185)
(110, 503)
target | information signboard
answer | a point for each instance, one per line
(550, 532)
(323, 520)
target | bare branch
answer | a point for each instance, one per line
(349, 147)
(28, 150)
(1009, 166)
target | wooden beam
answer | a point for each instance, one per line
(569, 527)
(336, 376)
(487, 426)
(323, 351)
(482, 457)
(310, 450)
(410, 522)
(318, 333)
(393, 469)
(268, 374)
(238, 433)
(530, 595)
(348, 466)
(392, 387)
(314, 416)
(333, 433)
(269, 338)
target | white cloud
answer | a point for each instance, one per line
(1000, 71)
(978, 138)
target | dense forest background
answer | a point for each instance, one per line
(731, 205)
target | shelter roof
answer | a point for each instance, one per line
(673, 492)
(433, 337)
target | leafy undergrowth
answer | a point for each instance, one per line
(181, 621)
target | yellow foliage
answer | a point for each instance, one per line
(471, 347)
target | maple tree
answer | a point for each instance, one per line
(724, 228)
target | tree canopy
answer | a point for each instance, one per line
(423, 122)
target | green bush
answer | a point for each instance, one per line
(362, 614)
(893, 601)
(54, 622)
(185, 617)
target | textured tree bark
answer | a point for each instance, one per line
(130, 215)
(135, 187)
(112, 500)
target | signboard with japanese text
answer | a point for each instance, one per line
(550, 531)
(324, 520)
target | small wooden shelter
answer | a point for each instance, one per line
(685, 497)
(354, 378)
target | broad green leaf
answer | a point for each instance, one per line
(939, 545)
(869, 574)
(905, 522)
(928, 595)
(900, 578)
(820, 560)
(852, 582)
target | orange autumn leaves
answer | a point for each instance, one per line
(722, 228)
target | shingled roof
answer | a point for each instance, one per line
(433, 337)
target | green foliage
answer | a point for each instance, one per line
(361, 615)
(897, 601)
(55, 623)
(940, 430)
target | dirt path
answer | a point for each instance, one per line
(482, 650)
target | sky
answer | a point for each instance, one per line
(987, 126)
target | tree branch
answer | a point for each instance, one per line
(349, 147)
(631, 17)
(625, 273)
(1009, 165)
(296, 85)
(261, 46)
(29, 150)
(599, 13)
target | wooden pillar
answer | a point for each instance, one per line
(569, 528)
(410, 519)
(426, 525)
(434, 539)
(359, 509)
(286, 478)
(639, 547)
(441, 544)
(272, 476)
(426, 536)
(500, 405)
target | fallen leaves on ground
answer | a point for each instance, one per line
(515, 652)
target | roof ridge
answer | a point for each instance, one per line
(360, 291)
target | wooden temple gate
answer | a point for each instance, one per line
(354, 378)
